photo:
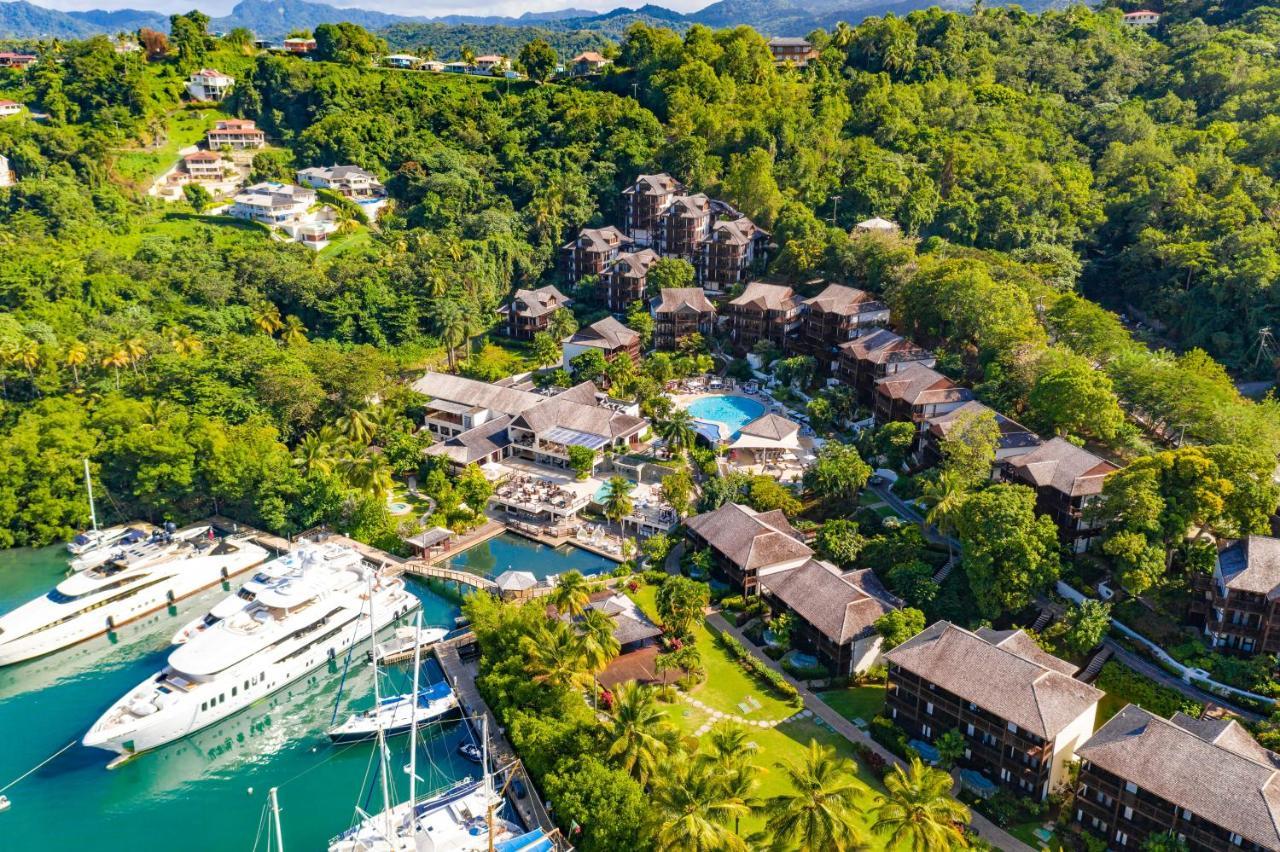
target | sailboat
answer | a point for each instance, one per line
(94, 538)
(397, 714)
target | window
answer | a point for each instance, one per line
(1187, 815)
(1122, 838)
(893, 712)
(1006, 775)
(204, 705)
(968, 753)
(246, 686)
(1237, 840)
(973, 706)
(234, 690)
(1128, 812)
(928, 707)
(1130, 787)
(222, 696)
(926, 730)
(1079, 814)
(969, 729)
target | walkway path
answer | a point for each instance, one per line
(674, 555)
(1150, 670)
(986, 829)
(720, 716)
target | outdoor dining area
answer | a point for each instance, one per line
(540, 499)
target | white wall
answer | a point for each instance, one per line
(1064, 747)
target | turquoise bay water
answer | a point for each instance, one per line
(192, 794)
(733, 411)
(511, 552)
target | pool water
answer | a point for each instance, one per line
(733, 411)
(511, 552)
(602, 493)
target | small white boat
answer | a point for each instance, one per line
(395, 715)
(407, 641)
(4, 803)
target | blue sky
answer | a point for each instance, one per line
(426, 8)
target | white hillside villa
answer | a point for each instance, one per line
(289, 208)
(209, 84)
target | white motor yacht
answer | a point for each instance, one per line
(134, 582)
(291, 568)
(286, 632)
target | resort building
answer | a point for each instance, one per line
(874, 355)
(1067, 481)
(347, 181)
(588, 62)
(1020, 710)
(272, 203)
(626, 279)
(1239, 605)
(592, 251)
(530, 311)
(792, 51)
(835, 612)
(608, 336)
(763, 312)
(768, 439)
(679, 312)
(916, 394)
(730, 253)
(836, 315)
(683, 225)
(206, 166)
(1015, 439)
(8, 108)
(300, 44)
(483, 445)
(1204, 782)
(747, 545)
(544, 432)
(1142, 18)
(7, 177)
(875, 225)
(9, 59)
(209, 84)
(643, 203)
(236, 133)
(456, 405)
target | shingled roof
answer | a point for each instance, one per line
(845, 301)
(772, 426)
(1252, 564)
(843, 607)
(535, 303)
(634, 264)
(738, 231)
(474, 394)
(607, 333)
(1062, 466)
(674, 299)
(766, 297)
(921, 385)
(659, 184)
(1012, 433)
(748, 538)
(1003, 677)
(600, 239)
(1212, 769)
(558, 412)
(880, 346)
(474, 444)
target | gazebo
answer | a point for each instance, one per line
(515, 583)
(430, 542)
(768, 438)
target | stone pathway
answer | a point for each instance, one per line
(721, 716)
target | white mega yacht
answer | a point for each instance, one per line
(137, 580)
(290, 569)
(287, 631)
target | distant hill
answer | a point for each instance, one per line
(275, 18)
(445, 41)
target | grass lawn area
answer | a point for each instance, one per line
(346, 242)
(1026, 833)
(183, 127)
(855, 702)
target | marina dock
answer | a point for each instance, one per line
(462, 677)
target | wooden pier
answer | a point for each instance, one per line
(461, 676)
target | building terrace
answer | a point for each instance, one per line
(1067, 480)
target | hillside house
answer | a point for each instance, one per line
(209, 84)
(748, 546)
(607, 336)
(878, 353)
(683, 225)
(236, 133)
(915, 394)
(592, 252)
(8, 108)
(529, 311)
(792, 51)
(835, 316)
(626, 279)
(588, 62)
(730, 253)
(643, 203)
(763, 312)
(348, 181)
(1068, 482)
(679, 312)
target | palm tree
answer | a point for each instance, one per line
(77, 353)
(266, 316)
(596, 641)
(294, 331)
(677, 430)
(116, 358)
(943, 498)
(468, 55)
(453, 325)
(819, 814)
(570, 595)
(183, 341)
(367, 471)
(27, 355)
(357, 426)
(729, 747)
(842, 37)
(136, 351)
(917, 809)
(694, 809)
(552, 655)
(637, 730)
(313, 453)
(618, 504)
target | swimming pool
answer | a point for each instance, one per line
(602, 493)
(733, 411)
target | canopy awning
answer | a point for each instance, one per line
(756, 442)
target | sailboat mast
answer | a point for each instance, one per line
(413, 719)
(377, 703)
(88, 484)
(275, 815)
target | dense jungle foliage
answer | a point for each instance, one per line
(1034, 161)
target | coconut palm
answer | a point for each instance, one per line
(618, 503)
(637, 730)
(570, 595)
(820, 812)
(454, 327)
(357, 426)
(917, 809)
(596, 640)
(729, 747)
(116, 358)
(136, 350)
(694, 808)
(76, 355)
(677, 430)
(552, 655)
(183, 341)
(367, 471)
(942, 499)
(27, 356)
(295, 332)
(266, 316)
(313, 453)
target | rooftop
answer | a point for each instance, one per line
(749, 538)
(634, 263)
(921, 385)
(1000, 673)
(474, 394)
(607, 334)
(674, 299)
(880, 346)
(846, 301)
(841, 606)
(766, 297)
(600, 239)
(1012, 433)
(535, 303)
(659, 184)
(1252, 564)
(1213, 768)
(1062, 466)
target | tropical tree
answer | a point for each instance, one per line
(596, 641)
(27, 356)
(546, 351)
(357, 426)
(266, 316)
(136, 350)
(942, 498)
(115, 358)
(820, 812)
(552, 655)
(917, 810)
(313, 454)
(454, 328)
(295, 332)
(571, 594)
(184, 341)
(637, 730)
(367, 471)
(680, 602)
(695, 808)
(677, 430)
(76, 355)
(618, 503)
(729, 748)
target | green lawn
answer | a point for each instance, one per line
(856, 702)
(184, 127)
(1026, 833)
